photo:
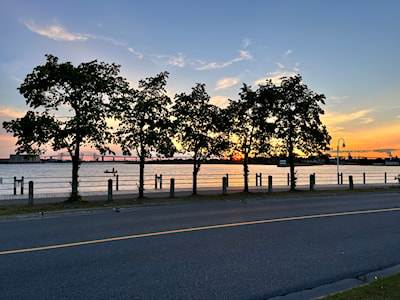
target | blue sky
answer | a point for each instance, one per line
(347, 50)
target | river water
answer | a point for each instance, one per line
(56, 177)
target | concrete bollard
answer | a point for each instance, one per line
(312, 181)
(17, 182)
(340, 178)
(30, 198)
(351, 184)
(258, 179)
(172, 188)
(156, 180)
(269, 184)
(110, 193)
(224, 185)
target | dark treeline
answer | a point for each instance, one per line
(268, 120)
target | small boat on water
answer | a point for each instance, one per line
(112, 171)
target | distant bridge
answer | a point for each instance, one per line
(98, 157)
(93, 156)
(387, 151)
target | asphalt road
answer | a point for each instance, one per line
(227, 250)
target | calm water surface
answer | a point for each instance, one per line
(55, 177)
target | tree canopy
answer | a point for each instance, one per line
(145, 122)
(250, 127)
(198, 129)
(298, 125)
(83, 94)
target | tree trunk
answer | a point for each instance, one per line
(141, 176)
(74, 196)
(75, 162)
(292, 171)
(74, 184)
(246, 172)
(194, 190)
(196, 168)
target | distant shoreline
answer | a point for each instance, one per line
(213, 161)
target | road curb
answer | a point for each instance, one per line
(322, 291)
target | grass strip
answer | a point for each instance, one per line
(387, 288)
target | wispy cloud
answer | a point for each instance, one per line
(134, 52)
(367, 120)
(361, 116)
(11, 112)
(108, 39)
(331, 101)
(243, 55)
(337, 98)
(280, 66)
(55, 32)
(333, 130)
(282, 70)
(226, 82)
(170, 60)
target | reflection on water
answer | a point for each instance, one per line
(55, 177)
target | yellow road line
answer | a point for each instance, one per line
(135, 236)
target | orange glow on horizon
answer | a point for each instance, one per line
(380, 142)
(238, 156)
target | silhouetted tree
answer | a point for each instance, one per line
(84, 93)
(145, 122)
(251, 127)
(199, 128)
(297, 118)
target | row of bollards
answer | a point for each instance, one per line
(340, 178)
(19, 182)
(158, 182)
(158, 179)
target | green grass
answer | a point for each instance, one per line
(7, 210)
(387, 288)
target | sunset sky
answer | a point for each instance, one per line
(348, 50)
